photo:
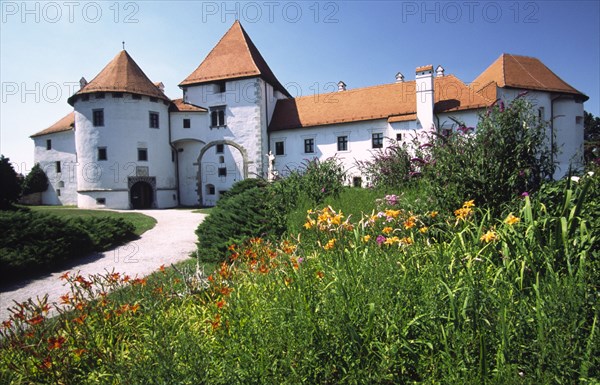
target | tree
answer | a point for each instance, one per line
(591, 127)
(11, 188)
(36, 181)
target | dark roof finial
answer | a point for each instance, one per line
(123, 45)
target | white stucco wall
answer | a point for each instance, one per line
(126, 128)
(63, 151)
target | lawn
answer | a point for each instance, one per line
(141, 222)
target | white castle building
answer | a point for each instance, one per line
(127, 145)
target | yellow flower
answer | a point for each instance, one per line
(470, 203)
(336, 220)
(366, 238)
(462, 213)
(511, 219)
(423, 229)
(392, 213)
(329, 244)
(489, 237)
(392, 240)
(387, 230)
(410, 222)
(433, 214)
(309, 224)
(406, 241)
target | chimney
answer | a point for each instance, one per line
(439, 71)
(160, 86)
(399, 77)
(424, 96)
(82, 82)
(341, 86)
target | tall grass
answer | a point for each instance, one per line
(390, 297)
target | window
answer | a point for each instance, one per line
(153, 119)
(117, 95)
(309, 146)
(57, 192)
(222, 171)
(85, 98)
(172, 155)
(100, 201)
(102, 153)
(220, 87)
(398, 137)
(187, 123)
(343, 143)
(61, 184)
(221, 159)
(154, 100)
(58, 167)
(541, 113)
(377, 140)
(446, 132)
(142, 154)
(579, 120)
(220, 148)
(279, 148)
(357, 181)
(100, 95)
(48, 144)
(98, 117)
(136, 97)
(217, 117)
(210, 189)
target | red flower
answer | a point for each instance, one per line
(55, 343)
(35, 320)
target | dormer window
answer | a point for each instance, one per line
(217, 116)
(220, 87)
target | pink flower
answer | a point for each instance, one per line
(380, 239)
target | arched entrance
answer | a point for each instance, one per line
(141, 195)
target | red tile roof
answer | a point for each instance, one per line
(522, 72)
(395, 102)
(122, 74)
(66, 123)
(178, 105)
(235, 56)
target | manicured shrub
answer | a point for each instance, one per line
(33, 242)
(106, 232)
(35, 181)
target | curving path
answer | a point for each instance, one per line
(171, 240)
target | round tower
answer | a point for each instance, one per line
(124, 157)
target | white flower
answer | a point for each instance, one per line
(575, 179)
(590, 173)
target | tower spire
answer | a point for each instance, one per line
(123, 42)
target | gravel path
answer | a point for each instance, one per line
(171, 240)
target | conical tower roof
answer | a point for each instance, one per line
(122, 74)
(235, 56)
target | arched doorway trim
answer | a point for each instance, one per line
(150, 181)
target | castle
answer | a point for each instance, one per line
(126, 145)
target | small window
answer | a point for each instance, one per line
(217, 117)
(221, 159)
(100, 95)
(357, 181)
(342, 143)
(153, 119)
(446, 132)
(220, 148)
(98, 117)
(154, 100)
(102, 153)
(220, 87)
(377, 140)
(117, 95)
(61, 184)
(58, 167)
(222, 171)
(136, 97)
(100, 201)
(172, 155)
(187, 123)
(279, 148)
(142, 154)
(579, 120)
(85, 98)
(541, 113)
(309, 146)
(48, 144)
(398, 137)
(210, 189)
(57, 192)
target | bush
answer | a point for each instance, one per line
(35, 181)
(11, 187)
(507, 156)
(33, 242)
(389, 168)
(235, 219)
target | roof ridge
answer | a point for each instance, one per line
(246, 38)
(528, 72)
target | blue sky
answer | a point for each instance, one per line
(46, 47)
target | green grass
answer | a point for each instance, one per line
(141, 222)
